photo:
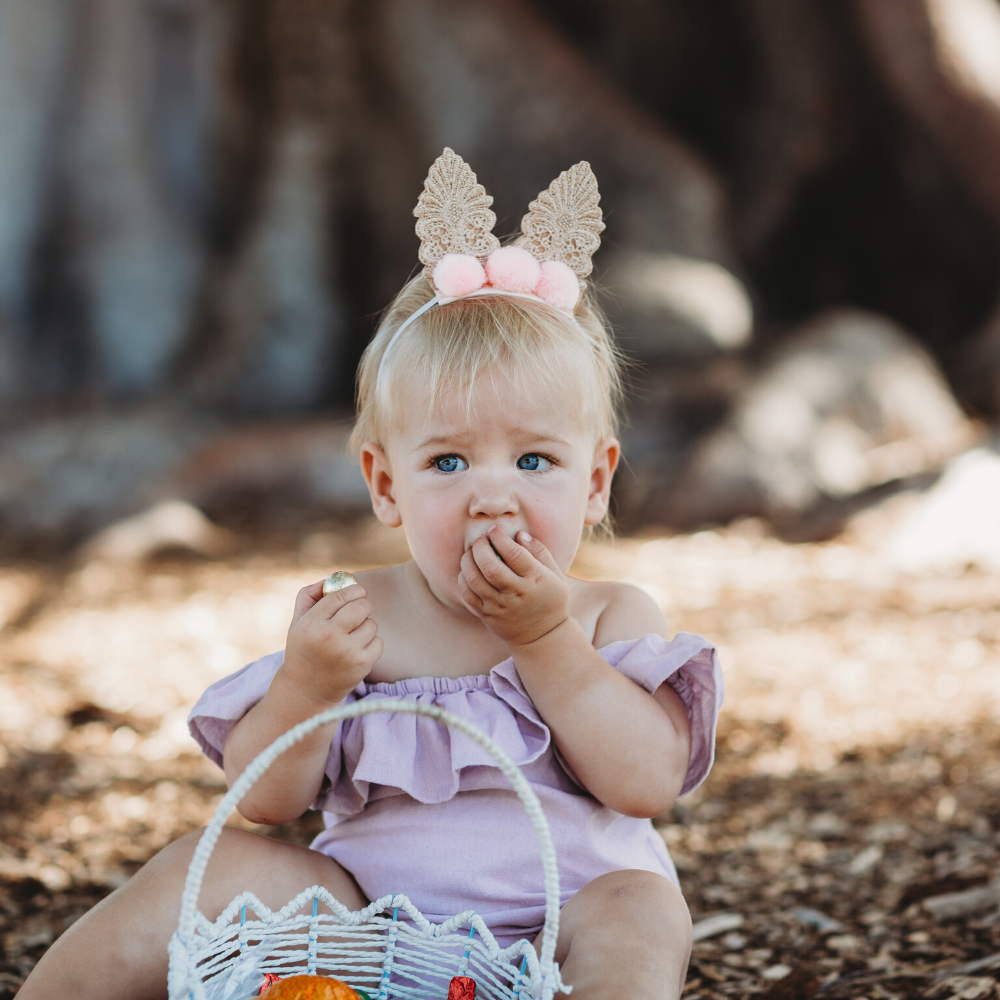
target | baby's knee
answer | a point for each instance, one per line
(633, 904)
(169, 863)
(626, 920)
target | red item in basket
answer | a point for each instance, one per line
(462, 988)
(270, 978)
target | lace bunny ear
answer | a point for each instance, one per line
(564, 222)
(453, 213)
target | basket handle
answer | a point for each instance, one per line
(257, 767)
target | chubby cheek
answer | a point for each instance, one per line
(437, 545)
(558, 526)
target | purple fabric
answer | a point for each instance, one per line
(412, 807)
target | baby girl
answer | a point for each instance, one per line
(486, 430)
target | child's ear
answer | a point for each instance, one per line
(378, 475)
(605, 462)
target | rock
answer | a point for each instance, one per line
(62, 480)
(719, 923)
(171, 524)
(775, 972)
(818, 920)
(954, 524)
(951, 905)
(849, 403)
(248, 473)
(845, 943)
(671, 406)
(864, 861)
(681, 305)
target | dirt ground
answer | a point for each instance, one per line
(857, 776)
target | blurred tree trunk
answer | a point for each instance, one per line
(940, 60)
(275, 313)
(195, 196)
(34, 76)
(208, 199)
(206, 202)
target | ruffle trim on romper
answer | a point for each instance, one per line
(418, 757)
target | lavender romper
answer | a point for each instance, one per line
(414, 808)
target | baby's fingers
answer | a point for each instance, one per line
(539, 551)
(515, 556)
(307, 598)
(469, 597)
(351, 615)
(374, 649)
(473, 575)
(365, 632)
(490, 560)
(332, 604)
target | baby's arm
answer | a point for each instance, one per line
(332, 645)
(629, 748)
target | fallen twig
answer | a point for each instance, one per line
(976, 965)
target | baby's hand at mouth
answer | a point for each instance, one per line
(513, 586)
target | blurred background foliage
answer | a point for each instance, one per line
(205, 203)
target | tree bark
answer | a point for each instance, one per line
(34, 72)
(278, 306)
(940, 60)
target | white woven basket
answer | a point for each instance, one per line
(371, 949)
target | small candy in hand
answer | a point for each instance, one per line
(337, 581)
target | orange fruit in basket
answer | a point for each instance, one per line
(309, 988)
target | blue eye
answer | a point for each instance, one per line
(533, 463)
(450, 463)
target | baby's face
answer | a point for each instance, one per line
(518, 456)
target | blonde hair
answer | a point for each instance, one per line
(451, 346)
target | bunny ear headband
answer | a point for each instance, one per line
(463, 258)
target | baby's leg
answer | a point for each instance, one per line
(118, 951)
(625, 933)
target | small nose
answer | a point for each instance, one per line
(493, 497)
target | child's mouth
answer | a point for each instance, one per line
(512, 534)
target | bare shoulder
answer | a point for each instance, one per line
(618, 611)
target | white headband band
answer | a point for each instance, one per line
(441, 300)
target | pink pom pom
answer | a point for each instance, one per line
(558, 285)
(513, 269)
(458, 274)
